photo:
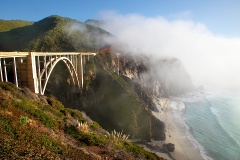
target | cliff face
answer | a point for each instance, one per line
(117, 102)
(120, 90)
(152, 79)
(138, 72)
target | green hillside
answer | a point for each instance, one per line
(53, 33)
(7, 25)
(37, 127)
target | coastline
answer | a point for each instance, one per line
(170, 113)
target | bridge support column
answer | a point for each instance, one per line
(5, 70)
(32, 78)
(1, 74)
(80, 70)
(15, 71)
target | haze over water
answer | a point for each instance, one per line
(212, 62)
(210, 59)
(213, 121)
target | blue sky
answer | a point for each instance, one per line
(220, 16)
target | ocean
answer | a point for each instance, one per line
(212, 120)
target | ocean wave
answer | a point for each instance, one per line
(222, 137)
(178, 108)
(222, 107)
(217, 114)
(196, 144)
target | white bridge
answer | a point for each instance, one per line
(33, 69)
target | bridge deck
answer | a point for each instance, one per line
(13, 54)
(24, 54)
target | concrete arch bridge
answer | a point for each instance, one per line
(33, 69)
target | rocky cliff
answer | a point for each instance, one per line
(120, 91)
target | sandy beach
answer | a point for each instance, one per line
(175, 131)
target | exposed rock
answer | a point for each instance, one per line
(169, 147)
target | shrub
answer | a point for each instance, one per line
(86, 138)
(130, 147)
(92, 139)
(23, 120)
(30, 108)
(72, 131)
(46, 120)
(7, 86)
(95, 125)
(55, 103)
(49, 144)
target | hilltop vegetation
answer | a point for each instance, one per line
(50, 34)
(38, 127)
(6, 25)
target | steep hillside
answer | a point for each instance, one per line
(123, 91)
(38, 127)
(53, 33)
(110, 99)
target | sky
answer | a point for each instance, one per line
(203, 34)
(220, 16)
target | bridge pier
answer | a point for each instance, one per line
(1, 74)
(32, 79)
(80, 70)
(22, 71)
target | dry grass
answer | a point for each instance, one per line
(117, 137)
(83, 126)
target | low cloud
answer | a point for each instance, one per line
(211, 60)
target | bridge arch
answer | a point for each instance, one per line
(33, 69)
(51, 65)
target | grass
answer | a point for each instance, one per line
(19, 142)
(85, 138)
(48, 144)
(23, 120)
(33, 110)
(95, 126)
(7, 128)
(19, 139)
(133, 148)
(29, 130)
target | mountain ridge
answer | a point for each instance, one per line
(52, 34)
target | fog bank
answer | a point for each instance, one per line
(211, 60)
